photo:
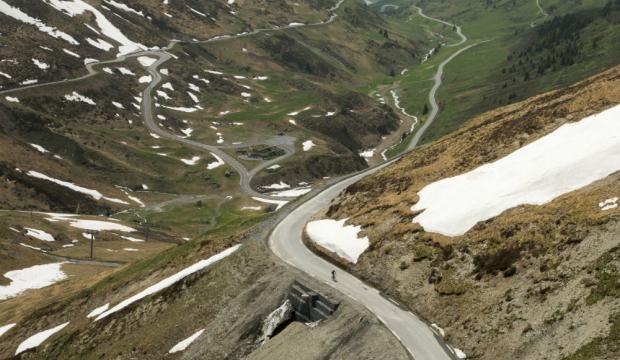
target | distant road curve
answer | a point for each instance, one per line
(459, 31)
(432, 97)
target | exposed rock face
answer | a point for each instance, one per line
(279, 316)
(534, 282)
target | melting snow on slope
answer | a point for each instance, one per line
(40, 148)
(191, 161)
(92, 193)
(85, 224)
(71, 53)
(145, 79)
(339, 238)
(187, 132)
(368, 154)
(75, 96)
(182, 345)
(11, 99)
(608, 204)
(279, 203)
(5, 328)
(132, 239)
(193, 96)
(124, 7)
(569, 158)
(459, 353)
(98, 311)
(125, 71)
(169, 281)
(38, 338)
(29, 82)
(279, 186)
(292, 192)
(40, 64)
(17, 14)
(78, 7)
(34, 277)
(39, 234)
(182, 109)
(99, 225)
(308, 144)
(215, 164)
(100, 44)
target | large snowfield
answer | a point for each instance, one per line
(339, 238)
(571, 157)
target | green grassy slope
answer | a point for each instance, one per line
(527, 53)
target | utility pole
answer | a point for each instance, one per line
(92, 242)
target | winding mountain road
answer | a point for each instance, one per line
(432, 98)
(459, 31)
(286, 241)
(162, 55)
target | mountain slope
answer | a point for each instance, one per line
(534, 281)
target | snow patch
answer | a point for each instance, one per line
(98, 311)
(339, 238)
(608, 204)
(292, 192)
(279, 203)
(182, 345)
(40, 64)
(281, 185)
(40, 148)
(182, 109)
(39, 234)
(215, 164)
(191, 161)
(34, 277)
(5, 328)
(38, 338)
(308, 144)
(75, 96)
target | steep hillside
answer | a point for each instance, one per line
(229, 299)
(533, 282)
(68, 33)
